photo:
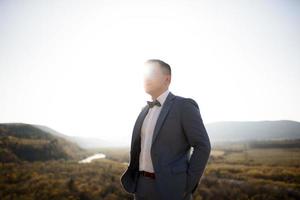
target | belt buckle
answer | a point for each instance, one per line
(148, 174)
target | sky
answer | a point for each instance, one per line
(76, 66)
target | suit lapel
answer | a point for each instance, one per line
(163, 113)
(139, 123)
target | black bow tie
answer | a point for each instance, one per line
(153, 103)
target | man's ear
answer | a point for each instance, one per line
(169, 78)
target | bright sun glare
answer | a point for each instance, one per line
(78, 67)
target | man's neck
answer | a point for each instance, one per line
(154, 96)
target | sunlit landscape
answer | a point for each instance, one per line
(71, 90)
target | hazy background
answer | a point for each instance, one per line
(75, 66)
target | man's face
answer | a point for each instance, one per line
(154, 78)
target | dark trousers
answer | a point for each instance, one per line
(146, 190)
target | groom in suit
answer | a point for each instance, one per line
(163, 166)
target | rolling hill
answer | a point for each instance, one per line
(83, 142)
(19, 142)
(253, 130)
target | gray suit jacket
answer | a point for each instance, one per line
(179, 127)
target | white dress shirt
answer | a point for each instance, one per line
(145, 161)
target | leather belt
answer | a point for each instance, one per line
(147, 174)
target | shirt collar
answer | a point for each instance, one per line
(163, 97)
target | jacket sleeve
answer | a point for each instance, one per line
(197, 137)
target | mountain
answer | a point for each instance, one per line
(19, 141)
(253, 130)
(83, 142)
(89, 142)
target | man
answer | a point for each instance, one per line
(161, 165)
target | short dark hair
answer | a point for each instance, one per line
(163, 65)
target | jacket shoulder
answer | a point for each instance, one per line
(185, 101)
